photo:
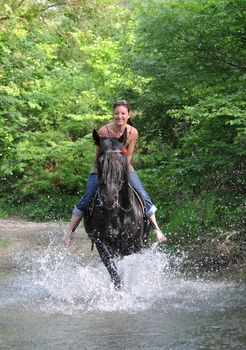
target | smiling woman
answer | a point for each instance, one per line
(120, 124)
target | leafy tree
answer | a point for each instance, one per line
(58, 75)
(191, 55)
(181, 64)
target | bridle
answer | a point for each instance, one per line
(102, 181)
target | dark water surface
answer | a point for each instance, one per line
(62, 301)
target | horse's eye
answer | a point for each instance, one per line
(100, 158)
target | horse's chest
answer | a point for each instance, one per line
(112, 224)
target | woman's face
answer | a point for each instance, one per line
(121, 115)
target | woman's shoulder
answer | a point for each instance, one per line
(107, 130)
(104, 130)
(133, 131)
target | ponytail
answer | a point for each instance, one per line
(129, 121)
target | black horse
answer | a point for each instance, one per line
(115, 221)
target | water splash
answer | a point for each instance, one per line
(56, 281)
(86, 286)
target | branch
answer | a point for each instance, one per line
(50, 6)
(19, 4)
(220, 59)
(57, 5)
(4, 18)
(38, 9)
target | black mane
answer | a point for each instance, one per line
(111, 162)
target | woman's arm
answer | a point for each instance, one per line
(132, 144)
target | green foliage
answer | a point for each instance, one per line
(58, 75)
(181, 63)
(186, 50)
(191, 55)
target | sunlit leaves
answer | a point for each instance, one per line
(181, 64)
(59, 68)
(192, 57)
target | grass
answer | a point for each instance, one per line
(4, 243)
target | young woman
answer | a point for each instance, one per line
(121, 120)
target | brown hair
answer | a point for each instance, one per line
(125, 104)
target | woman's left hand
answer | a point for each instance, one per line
(159, 236)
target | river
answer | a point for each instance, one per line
(58, 299)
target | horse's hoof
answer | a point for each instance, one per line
(118, 286)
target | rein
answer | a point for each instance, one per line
(118, 206)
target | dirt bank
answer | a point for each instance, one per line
(223, 256)
(18, 237)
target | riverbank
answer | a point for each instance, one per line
(18, 236)
(225, 256)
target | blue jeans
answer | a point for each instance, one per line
(81, 206)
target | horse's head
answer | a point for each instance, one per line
(112, 165)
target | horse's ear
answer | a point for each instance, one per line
(96, 137)
(123, 138)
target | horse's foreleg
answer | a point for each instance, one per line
(108, 261)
